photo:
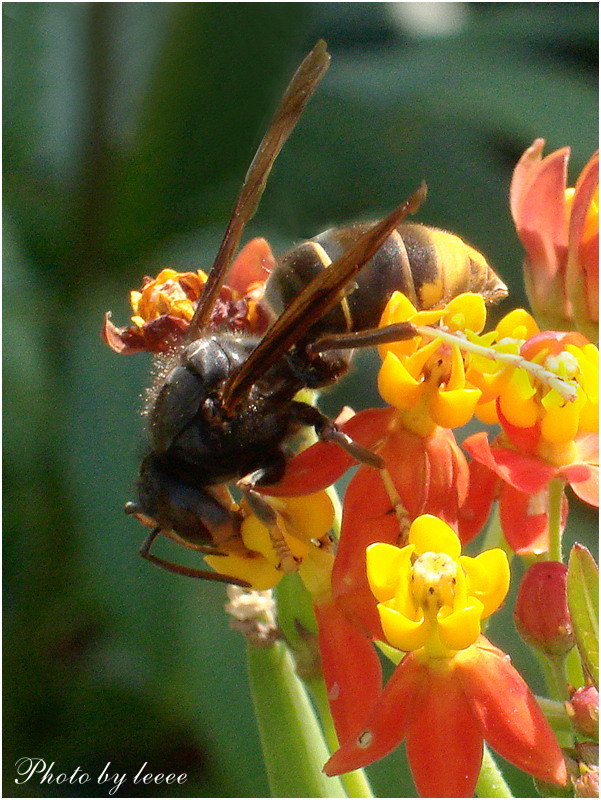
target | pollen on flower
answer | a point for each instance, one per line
(565, 365)
(433, 581)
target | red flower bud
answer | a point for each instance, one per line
(541, 612)
(583, 710)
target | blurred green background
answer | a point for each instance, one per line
(128, 129)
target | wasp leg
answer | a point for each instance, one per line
(179, 569)
(263, 509)
(366, 338)
(328, 431)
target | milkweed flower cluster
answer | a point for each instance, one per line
(378, 509)
(396, 577)
(544, 435)
(454, 689)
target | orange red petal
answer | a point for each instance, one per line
(524, 472)
(351, 668)
(508, 715)
(444, 740)
(525, 520)
(368, 517)
(387, 724)
(324, 463)
(473, 514)
(430, 473)
(252, 265)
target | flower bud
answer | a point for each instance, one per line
(583, 710)
(541, 612)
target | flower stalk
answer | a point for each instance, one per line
(293, 746)
(297, 622)
(556, 492)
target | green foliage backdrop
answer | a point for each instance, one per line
(128, 128)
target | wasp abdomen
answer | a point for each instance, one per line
(430, 266)
(443, 266)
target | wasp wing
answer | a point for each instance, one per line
(313, 302)
(296, 97)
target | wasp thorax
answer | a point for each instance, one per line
(433, 581)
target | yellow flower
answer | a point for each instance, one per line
(425, 378)
(521, 398)
(264, 553)
(430, 596)
(171, 292)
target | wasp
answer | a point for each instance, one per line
(224, 405)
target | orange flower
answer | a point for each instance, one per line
(559, 228)
(522, 482)
(164, 306)
(544, 437)
(445, 711)
(454, 689)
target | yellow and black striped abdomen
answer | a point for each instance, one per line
(443, 266)
(428, 265)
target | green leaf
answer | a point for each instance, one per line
(293, 746)
(583, 601)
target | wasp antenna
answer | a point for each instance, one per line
(292, 105)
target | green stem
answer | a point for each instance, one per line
(490, 781)
(557, 682)
(560, 678)
(556, 488)
(294, 608)
(554, 670)
(294, 750)
(553, 674)
(556, 714)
